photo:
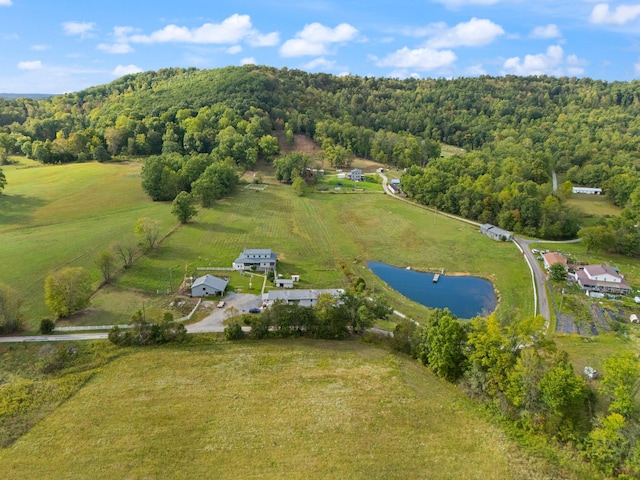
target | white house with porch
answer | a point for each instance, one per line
(602, 278)
(256, 259)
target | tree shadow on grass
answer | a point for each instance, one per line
(18, 209)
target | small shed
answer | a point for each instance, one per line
(633, 318)
(208, 285)
(284, 282)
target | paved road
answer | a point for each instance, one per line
(539, 277)
(212, 323)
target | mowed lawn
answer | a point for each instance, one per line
(64, 215)
(280, 409)
(324, 236)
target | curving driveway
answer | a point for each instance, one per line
(242, 302)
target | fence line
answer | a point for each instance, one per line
(80, 328)
(226, 269)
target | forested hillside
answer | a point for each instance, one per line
(516, 131)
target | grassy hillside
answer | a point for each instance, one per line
(306, 409)
(57, 216)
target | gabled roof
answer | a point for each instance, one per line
(215, 283)
(593, 270)
(552, 258)
(256, 251)
(292, 295)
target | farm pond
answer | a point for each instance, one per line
(464, 296)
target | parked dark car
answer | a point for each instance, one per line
(254, 310)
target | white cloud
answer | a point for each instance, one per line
(621, 15)
(234, 49)
(40, 47)
(120, 44)
(636, 66)
(319, 64)
(248, 61)
(476, 32)
(420, 59)
(259, 40)
(546, 31)
(231, 30)
(78, 28)
(6, 3)
(314, 39)
(121, 70)
(32, 65)
(552, 62)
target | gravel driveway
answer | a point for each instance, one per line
(213, 322)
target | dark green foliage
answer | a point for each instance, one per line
(290, 166)
(144, 333)
(558, 272)
(406, 337)
(183, 207)
(46, 326)
(233, 332)
(442, 346)
(3, 181)
(217, 181)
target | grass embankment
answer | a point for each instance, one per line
(280, 409)
(57, 216)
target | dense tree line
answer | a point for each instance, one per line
(519, 130)
(206, 176)
(331, 318)
(525, 378)
(513, 193)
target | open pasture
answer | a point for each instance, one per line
(64, 215)
(328, 238)
(303, 409)
(593, 208)
(60, 216)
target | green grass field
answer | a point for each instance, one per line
(321, 236)
(279, 409)
(57, 216)
(593, 207)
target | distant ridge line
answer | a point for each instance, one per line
(34, 96)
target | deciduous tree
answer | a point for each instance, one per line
(67, 290)
(149, 230)
(105, 263)
(183, 207)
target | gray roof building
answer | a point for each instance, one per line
(208, 285)
(496, 233)
(305, 298)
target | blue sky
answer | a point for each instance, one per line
(55, 47)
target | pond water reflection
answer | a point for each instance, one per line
(465, 296)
